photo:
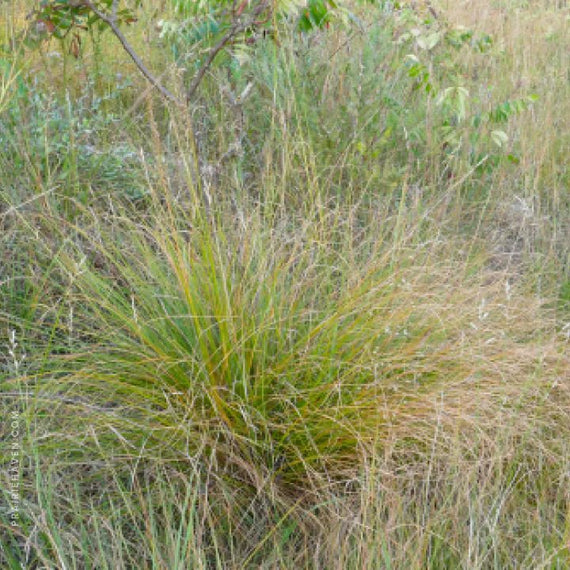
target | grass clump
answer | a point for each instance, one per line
(323, 326)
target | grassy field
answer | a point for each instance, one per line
(324, 325)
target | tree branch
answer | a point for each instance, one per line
(111, 21)
(236, 28)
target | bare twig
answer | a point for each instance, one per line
(111, 21)
(238, 26)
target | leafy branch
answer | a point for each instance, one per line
(237, 27)
(59, 17)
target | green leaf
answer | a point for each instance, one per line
(428, 42)
(500, 138)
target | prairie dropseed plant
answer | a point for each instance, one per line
(322, 324)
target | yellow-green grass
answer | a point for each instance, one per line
(344, 353)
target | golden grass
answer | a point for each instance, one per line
(312, 359)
